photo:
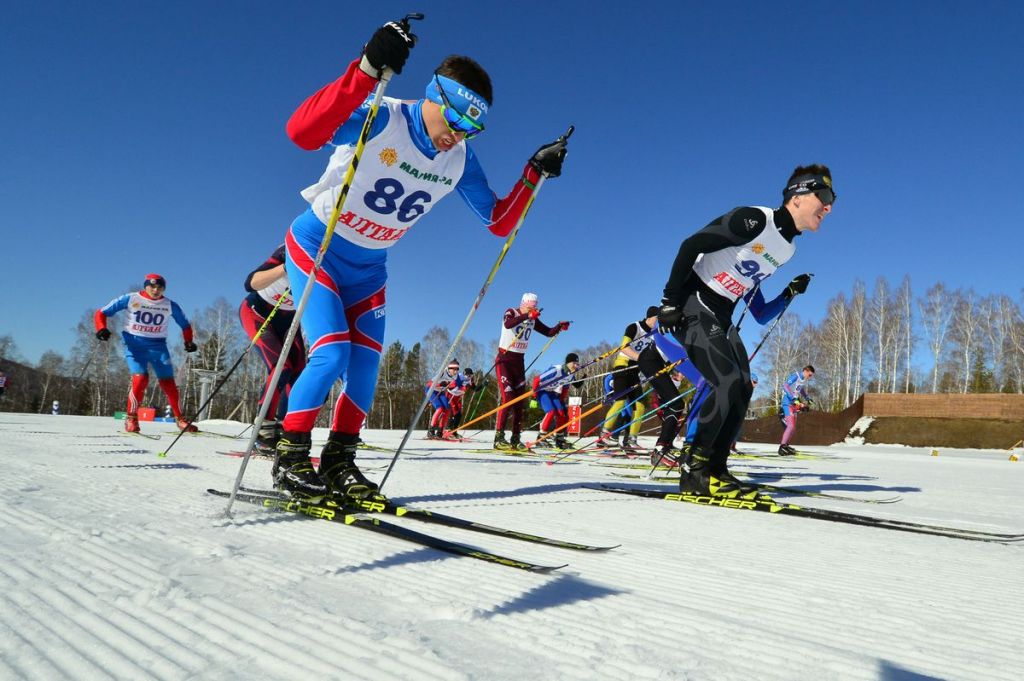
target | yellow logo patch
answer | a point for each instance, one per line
(757, 248)
(388, 156)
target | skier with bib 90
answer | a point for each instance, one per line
(416, 154)
(714, 268)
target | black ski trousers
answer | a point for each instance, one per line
(650, 363)
(716, 350)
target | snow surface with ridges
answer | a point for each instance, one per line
(118, 565)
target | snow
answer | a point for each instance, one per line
(118, 565)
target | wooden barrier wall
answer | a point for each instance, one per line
(959, 406)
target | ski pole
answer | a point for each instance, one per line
(469, 316)
(325, 242)
(223, 381)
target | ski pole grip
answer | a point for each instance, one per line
(568, 134)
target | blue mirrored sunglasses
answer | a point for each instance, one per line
(457, 122)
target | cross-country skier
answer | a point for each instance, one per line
(713, 269)
(517, 324)
(145, 343)
(267, 285)
(441, 398)
(552, 390)
(794, 400)
(456, 391)
(626, 383)
(415, 156)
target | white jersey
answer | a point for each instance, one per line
(516, 339)
(396, 184)
(732, 272)
(276, 291)
(148, 318)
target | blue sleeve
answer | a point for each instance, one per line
(788, 385)
(179, 316)
(765, 312)
(348, 133)
(549, 375)
(116, 305)
(474, 190)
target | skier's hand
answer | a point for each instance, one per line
(103, 334)
(548, 159)
(190, 346)
(670, 318)
(798, 285)
(387, 49)
(563, 326)
(533, 314)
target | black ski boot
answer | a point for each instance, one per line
(452, 427)
(266, 440)
(515, 444)
(293, 471)
(561, 443)
(500, 442)
(338, 468)
(605, 440)
(665, 455)
(786, 450)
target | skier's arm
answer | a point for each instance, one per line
(762, 311)
(511, 320)
(733, 229)
(316, 120)
(500, 215)
(99, 318)
(787, 387)
(266, 274)
(183, 322)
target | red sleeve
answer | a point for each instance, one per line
(508, 210)
(186, 334)
(512, 318)
(543, 328)
(319, 117)
(536, 383)
(100, 320)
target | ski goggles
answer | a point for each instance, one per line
(456, 121)
(156, 281)
(819, 186)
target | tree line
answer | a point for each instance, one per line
(867, 342)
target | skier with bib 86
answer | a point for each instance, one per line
(145, 344)
(415, 155)
(713, 269)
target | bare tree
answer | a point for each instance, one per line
(964, 332)
(936, 313)
(51, 365)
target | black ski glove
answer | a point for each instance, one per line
(670, 318)
(798, 285)
(190, 346)
(103, 334)
(548, 159)
(388, 48)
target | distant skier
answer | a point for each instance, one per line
(552, 390)
(713, 269)
(794, 401)
(3, 384)
(145, 344)
(441, 398)
(415, 156)
(626, 383)
(55, 409)
(517, 324)
(456, 391)
(267, 285)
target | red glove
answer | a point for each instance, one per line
(533, 314)
(563, 326)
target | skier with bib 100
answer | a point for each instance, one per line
(415, 155)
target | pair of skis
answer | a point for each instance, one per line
(365, 514)
(768, 505)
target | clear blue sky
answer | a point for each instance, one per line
(140, 137)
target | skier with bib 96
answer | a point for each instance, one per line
(415, 155)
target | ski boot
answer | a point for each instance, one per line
(515, 444)
(630, 444)
(605, 440)
(665, 455)
(266, 440)
(431, 434)
(131, 423)
(786, 450)
(293, 471)
(704, 478)
(345, 482)
(542, 439)
(500, 443)
(561, 443)
(186, 427)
